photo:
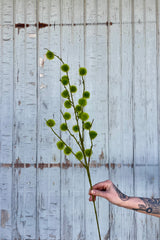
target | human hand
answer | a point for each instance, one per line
(108, 191)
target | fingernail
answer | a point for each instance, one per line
(92, 192)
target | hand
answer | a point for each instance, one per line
(108, 191)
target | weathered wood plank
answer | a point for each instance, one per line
(72, 224)
(5, 203)
(146, 145)
(53, 202)
(146, 188)
(25, 121)
(122, 177)
(96, 63)
(6, 117)
(152, 185)
(120, 111)
(48, 186)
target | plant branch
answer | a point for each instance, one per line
(72, 134)
(66, 145)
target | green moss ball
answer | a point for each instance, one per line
(64, 80)
(73, 89)
(49, 55)
(63, 127)
(92, 134)
(60, 145)
(67, 104)
(86, 94)
(88, 152)
(82, 102)
(79, 155)
(78, 108)
(84, 116)
(50, 123)
(87, 125)
(65, 67)
(67, 150)
(65, 94)
(67, 116)
(82, 71)
(75, 128)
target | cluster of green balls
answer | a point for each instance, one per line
(82, 102)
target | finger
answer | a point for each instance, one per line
(91, 198)
(98, 193)
(99, 186)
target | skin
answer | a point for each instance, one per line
(110, 192)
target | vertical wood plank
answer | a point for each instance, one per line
(158, 83)
(61, 195)
(48, 185)
(25, 116)
(72, 179)
(122, 178)
(146, 153)
(6, 117)
(96, 82)
(140, 145)
(120, 111)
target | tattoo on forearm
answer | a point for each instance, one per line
(121, 195)
(150, 205)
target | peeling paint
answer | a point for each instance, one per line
(44, 25)
(43, 86)
(4, 217)
(65, 165)
(41, 75)
(32, 35)
(101, 156)
(113, 165)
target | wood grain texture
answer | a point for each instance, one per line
(44, 194)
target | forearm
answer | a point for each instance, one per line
(144, 205)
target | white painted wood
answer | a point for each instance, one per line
(122, 221)
(48, 185)
(72, 179)
(6, 114)
(25, 122)
(122, 59)
(96, 63)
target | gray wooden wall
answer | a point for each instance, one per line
(43, 194)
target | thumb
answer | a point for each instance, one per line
(98, 193)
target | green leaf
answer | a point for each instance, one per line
(65, 67)
(84, 116)
(50, 123)
(82, 102)
(63, 127)
(75, 128)
(64, 80)
(49, 55)
(88, 152)
(78, 108)
(67, 150)
(92, 134)
(67, 116)
(82, 71)
(86, 94)
(67, 104)
(87, 125)
(73, 89)
(65, 94)
(79, 155)
(60, 145)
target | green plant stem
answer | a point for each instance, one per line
(95, 210)
(67, 146)
(72, 134)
